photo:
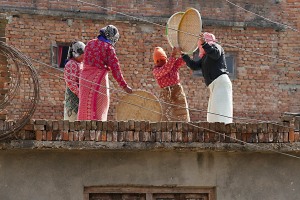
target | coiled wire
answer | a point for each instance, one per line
(20, 94)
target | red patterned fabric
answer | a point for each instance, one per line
(71, 75)
(100, 57)
(168, 74)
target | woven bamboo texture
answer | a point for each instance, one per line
(172, 29)
(140, 105)
(190, 27)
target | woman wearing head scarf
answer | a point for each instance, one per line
(213, 65)
(166, 73)
(100, 57)
(71, 75)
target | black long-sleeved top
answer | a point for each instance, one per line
(212, 64)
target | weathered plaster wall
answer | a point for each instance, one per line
(49, 175)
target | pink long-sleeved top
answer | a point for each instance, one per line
(168, 74)
(71, 75)
(102, 55)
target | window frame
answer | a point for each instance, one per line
(54, 55)
(149, 192)
(233, 55)
(54, 52)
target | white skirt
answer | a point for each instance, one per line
(220, 108)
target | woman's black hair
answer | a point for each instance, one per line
(70, 55)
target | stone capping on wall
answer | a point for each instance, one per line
(62, 134)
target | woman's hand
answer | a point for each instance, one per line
(201, 39)
(176, 51)
(128, 89)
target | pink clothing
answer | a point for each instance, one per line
(100, 57)
(168, 74)
(71, 75)
(210, 39)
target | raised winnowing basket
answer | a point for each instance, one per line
(190, 26)
(172, 29)
(140, 105)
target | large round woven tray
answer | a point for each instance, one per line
(190, 27)
(140, 105)
(172, 29)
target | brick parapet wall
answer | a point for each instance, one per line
(161, 136)
(144, 131)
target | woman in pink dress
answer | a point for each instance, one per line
(100, 57)
(71, 75)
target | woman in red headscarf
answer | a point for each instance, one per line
(100, 58)
(166, 73)
(213, 65)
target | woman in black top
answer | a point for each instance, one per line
(213, 65)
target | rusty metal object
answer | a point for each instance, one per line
(19, 90)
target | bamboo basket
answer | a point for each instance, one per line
(190, 26)
(172, 29)
(140, 105)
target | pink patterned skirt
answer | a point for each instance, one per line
(93, 94)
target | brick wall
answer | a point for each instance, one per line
(263, 88)
(213, 9)
(145, 131)
(4, 72)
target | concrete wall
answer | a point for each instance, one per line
(63, 174)
(62, 160)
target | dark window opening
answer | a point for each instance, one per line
(116, 196)
(59, 54)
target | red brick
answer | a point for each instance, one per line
(65, 135)
(291, 135)
(129, 136)
(71, 136)
(49, 135)
(103, 136)
(39, 135)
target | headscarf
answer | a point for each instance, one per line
(159, 54)
(76, 49)
(210, 39)
(109, 34)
